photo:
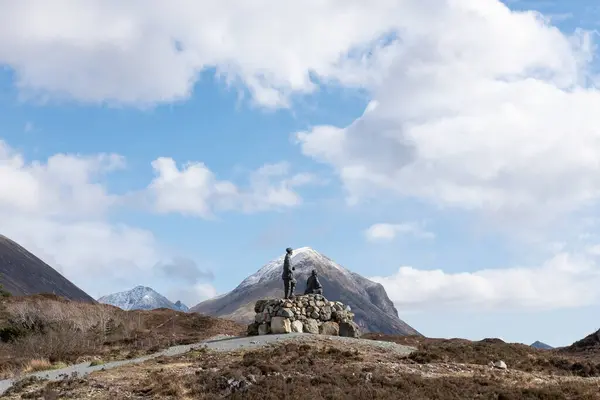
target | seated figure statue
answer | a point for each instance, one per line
(313, 286)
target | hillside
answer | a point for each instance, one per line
(52, 329)
(374, 311)
(22, 273)
(141, 298)
(317, 367)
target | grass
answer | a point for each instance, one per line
(47, 327)
(311, 370)
(42, 364)
(45, 332)
(516, 356)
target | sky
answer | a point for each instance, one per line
(448, 149)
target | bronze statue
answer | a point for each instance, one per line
(313, 286)
(289, 283)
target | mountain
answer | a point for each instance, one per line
(181, 307)
(373, 309)
(589, 344)
(22, 273)
(140, 298)
(541, 346)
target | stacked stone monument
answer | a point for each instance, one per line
(310, 313)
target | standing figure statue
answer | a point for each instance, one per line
(313, 286)
(289, 283)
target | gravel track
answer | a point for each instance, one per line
(218, 343)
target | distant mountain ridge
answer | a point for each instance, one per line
(540, 345)
(141, 298)
(373, 309)
(22, 274)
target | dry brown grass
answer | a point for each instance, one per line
(517, 356)
(54, 329)
(314, 369)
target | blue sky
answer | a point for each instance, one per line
(184, 147)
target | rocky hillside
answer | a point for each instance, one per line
(22, 273)
(588, 345)
(374, 311)
(141, 298)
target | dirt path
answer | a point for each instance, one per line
(228, 344)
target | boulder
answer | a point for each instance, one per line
(349, 329)
(285, 313)
(311, 326)
(252, 329)
(329, 328)
(297, 326)
(499, 364)
(263, 329)
(259, 306)
(280, 325)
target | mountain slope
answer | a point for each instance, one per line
(141, 298)
(22, 273)
(373, 309)
(542, 346)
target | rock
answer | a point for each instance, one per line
(252, 329)
(285, 312)
(499, 364)
(260, 305)
(325, 313)
(306, 313)
(263, 329)
(297, 326)
(329, 328)
(280, 325)
(311, 326)
(349, 329)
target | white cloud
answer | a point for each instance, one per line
(59, 210)
(149, 51)
(482, 109)
(388, 232)
(567, 280)
(194, 190)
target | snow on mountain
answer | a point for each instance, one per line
(141, 298)
(181, 307)
(302, 257)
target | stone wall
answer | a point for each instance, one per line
(310, 313)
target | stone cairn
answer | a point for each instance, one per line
(311, 313)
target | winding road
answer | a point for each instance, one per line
(227, 344)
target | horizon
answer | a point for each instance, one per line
(447, 150)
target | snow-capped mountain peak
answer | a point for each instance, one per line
(140, 298)
(303, 259)
(373, 309)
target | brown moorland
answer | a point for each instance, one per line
(47, 329)
(312, 368)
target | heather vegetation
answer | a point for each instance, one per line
(49, 329)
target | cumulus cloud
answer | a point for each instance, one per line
(566, 280)
(482, 108)
(148, 51)
(384, 232)
(57, 208)
(60, 209)
(195, 190)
